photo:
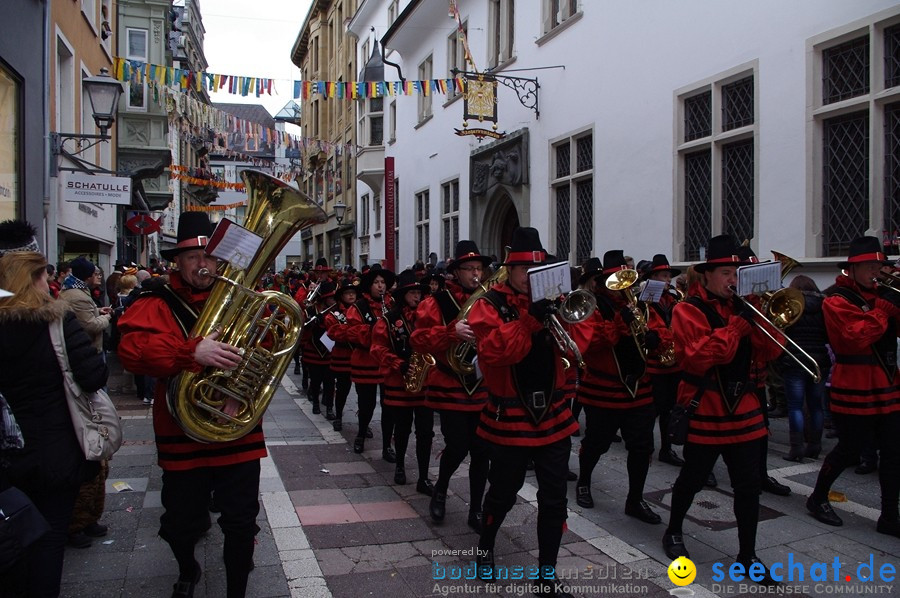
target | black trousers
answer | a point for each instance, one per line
(854, 433)
(366, 396)
(185, 497)
(742, 460)
(508, 468)
(403, 423)
(460, 438)
(321, 380)
(665, 391)
(342, 386)
(601, 426)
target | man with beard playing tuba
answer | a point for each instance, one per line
(458, 397)
(155, 343)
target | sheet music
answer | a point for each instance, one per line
(327, 341)
(653, 290)
(756, 279)
(549, 281)
(234, 244)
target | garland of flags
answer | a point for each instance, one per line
(135, 71)
(182, 173)
(221, 208)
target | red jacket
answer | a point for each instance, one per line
(314, 353)
(153, 344)
(662, 325)
(435, 336)
(390, 364)
(698, 349)
(339, 331)
(859, 388)
(601, 384)
(501, 345)
(363, 369)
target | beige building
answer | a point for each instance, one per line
(325, 52)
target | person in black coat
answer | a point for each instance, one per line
(51, 466)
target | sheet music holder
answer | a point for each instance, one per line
(756, 279)
(549, 281)
(653, 291)
(234, 244)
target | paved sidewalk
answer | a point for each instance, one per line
(334, 524)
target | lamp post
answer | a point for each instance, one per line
(104, 92)
(339, 210)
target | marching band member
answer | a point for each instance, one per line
(318, 275)
(391, 349)
(458, 398)
(865, 388)
(615, 389)
(336, 325)
(154, 342)
(526, 417)
(664, 374)
(716, 343)
(364, 371)
(316, 356)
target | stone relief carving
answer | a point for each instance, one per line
(137, 131)
(503, 163)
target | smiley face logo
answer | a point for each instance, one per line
(682, 571)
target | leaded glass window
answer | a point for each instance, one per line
(845, 70)
(562, 221)
(562, 160)
(737, 189)
(573, 192)
(584, 237)
(845, 180)
(584, 147)
(698, 116)
(892, 56)
(737, 104)
(697, 203)
(892, 168)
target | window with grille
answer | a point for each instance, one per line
(857, 139)
(501, 25)
(572, 184)
(450, 215)
(422, 225)
(716, 161)
(426, 70)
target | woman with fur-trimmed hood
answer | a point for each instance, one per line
(51, 466)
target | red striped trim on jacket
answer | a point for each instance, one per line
(514, 427)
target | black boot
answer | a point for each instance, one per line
(438, 506)
(796, 453)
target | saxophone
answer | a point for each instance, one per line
(419, 365)
(265, 326)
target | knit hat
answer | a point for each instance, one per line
(17, 235)
(82, 268)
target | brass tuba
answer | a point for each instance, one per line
(622, 281)
(265, 326)
(457, 353)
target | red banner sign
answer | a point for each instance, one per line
(143, 224)
(390, 249)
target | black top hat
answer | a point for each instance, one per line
(865, 249)
(436, 276)
(525, 248)
(326, 289)
(660, 264)
(194, 231)
(613, 261)
(590, 269)
(348, 285)
(745, 252)
(368, 278)
(406, 281)
(467, 251)
(721, 251)
(322, 265)
(17, 235)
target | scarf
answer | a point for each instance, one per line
(71, 282)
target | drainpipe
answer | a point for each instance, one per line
(50, 248)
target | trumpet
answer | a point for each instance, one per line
(810, 366)
(311, 298)
(576, 307)
(888, 281)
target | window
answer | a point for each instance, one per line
(393, 11)
(557, 12)
(65, 86)
(393, 122)
(456, 57)
(717, 160)
(10, 144)
(364, 215)
(450, 216)
(856, 130)
(89, 10)
(88, 127)
(376, 121)
(376, 212)
(572, 190)
(422, 211)
(424, 99)
(502, 32)
(137, 50)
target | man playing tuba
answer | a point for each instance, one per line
(155, 343)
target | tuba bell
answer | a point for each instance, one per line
(264, 326)
(622, 281)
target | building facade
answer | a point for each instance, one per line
(323, 51)
(776, 123)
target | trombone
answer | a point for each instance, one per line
(810, 367)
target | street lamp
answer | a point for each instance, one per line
(104, 92)
(339, 210)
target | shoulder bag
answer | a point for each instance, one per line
(94, 416)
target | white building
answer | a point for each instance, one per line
(660, 124)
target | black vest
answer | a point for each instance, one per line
(185, 315)
(399, 335)
(733, 377)
(449, 310)
(629, 361)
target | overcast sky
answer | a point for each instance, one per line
(254, 38)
